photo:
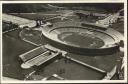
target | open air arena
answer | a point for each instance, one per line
(69, 41)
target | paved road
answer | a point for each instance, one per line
(18, 20)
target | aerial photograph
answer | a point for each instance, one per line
(62, 41)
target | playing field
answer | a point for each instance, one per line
(86, 41)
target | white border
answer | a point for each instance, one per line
(0, 42)
(71, 1)
(125, 39)
(66, 1)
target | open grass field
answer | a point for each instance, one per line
(13, 46)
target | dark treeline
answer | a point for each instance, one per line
(38, 7)
(19, 8)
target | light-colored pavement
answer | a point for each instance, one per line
(21, 22)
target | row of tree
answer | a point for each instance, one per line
(41, 7)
